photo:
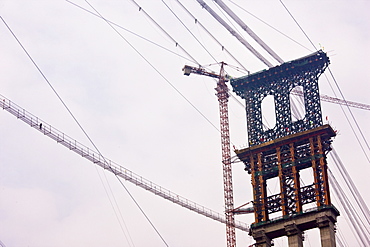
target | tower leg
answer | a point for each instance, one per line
(262, 240)
(327, 231)
(295, 238)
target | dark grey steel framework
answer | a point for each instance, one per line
(279, 81)
(286, 149)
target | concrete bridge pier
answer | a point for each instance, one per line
(327, 231)
(295, 236)
(262, 240)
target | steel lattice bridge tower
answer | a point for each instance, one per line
(285, 150)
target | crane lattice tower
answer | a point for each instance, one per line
(285, 150)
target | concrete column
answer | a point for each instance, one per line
(295, 238)
(262, 240)
(327, 231)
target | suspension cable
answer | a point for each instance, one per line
(164, 31)
(351, 213)
(350, 184)
(211, 35)
(267, 24)
(137, 204)
(168, 7)
(298, 24)
(248, 30)
(354, 119)
(334, 92)
(235, 34)
(131, 32)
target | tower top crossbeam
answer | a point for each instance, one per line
(292, 68)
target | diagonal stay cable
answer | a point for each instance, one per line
(160, 74)
(340, 91)
(298, 24)
(131, 32)
(164, 31)
(349, 109)
(234, 33)
(182, 95)
(202, 45)
(354, 219)
(249, 31)
(131, 196)
(349, 122)
(267, 24)
(351, 186)
(211, 35)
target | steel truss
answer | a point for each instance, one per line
(290, 146)
(285, 158)
(279, 81)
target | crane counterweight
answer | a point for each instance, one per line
(201, 71)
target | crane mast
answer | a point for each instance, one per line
(223, 97)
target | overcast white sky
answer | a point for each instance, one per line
(121, 90)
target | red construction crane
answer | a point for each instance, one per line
(222, 93)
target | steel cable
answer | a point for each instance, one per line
(74, 118)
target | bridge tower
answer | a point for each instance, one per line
(283, 151)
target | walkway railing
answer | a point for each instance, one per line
(109, 165)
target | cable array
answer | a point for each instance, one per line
(363, 237)
(340, 91)
(352, 187)
(235, 34)
(360, 229)
(249, 31)
(361, 233)
(211, 35)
